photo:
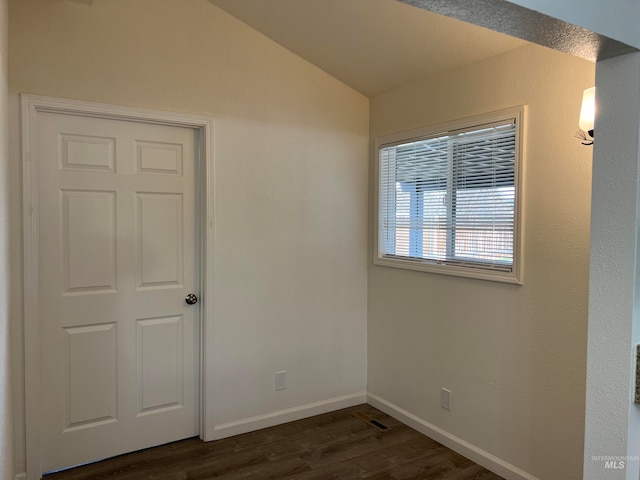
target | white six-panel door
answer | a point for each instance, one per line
(119, 345)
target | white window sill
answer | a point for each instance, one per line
(454, 270)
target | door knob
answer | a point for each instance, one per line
(191, 299)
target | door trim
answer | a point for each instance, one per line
(31, 106)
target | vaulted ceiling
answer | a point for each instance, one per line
(371, 45)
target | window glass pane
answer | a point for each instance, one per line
(484, 224)
(434, 229)
(403, 221)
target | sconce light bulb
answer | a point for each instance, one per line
(588, 110)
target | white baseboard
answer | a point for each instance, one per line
(479, 456)
(288, 415)
(21, 476)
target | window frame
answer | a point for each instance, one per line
(514, 276)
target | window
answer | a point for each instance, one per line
(449, 198)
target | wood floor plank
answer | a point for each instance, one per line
(334, 446)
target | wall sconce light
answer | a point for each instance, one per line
(587, 116)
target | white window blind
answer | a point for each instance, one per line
(450, 199)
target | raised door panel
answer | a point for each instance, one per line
(87, 153)
(92, 376)
(160, 364)
(159, 158)
(89, 241)
(160, 240)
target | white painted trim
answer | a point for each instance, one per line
(288, 415)
(477, 455)
(31, 106)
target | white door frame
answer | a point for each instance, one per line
(31, 106)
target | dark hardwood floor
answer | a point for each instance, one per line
(336, 445)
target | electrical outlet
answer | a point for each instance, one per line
(281, 380)
(445, 399)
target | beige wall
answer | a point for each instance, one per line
(290, 182)
(6, 417)
(513, 356)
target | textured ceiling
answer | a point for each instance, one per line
(372, 45)
(512, 19)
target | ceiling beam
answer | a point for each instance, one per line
(535, 27)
